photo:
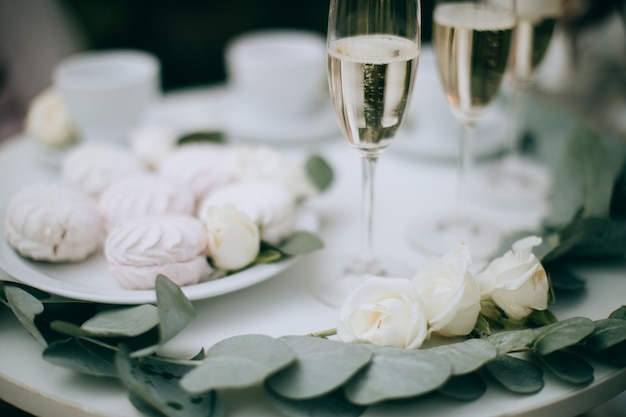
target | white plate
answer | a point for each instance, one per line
(90, 280)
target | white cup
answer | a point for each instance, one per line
(107, 92)
(277, 73)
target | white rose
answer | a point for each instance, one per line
(233, 238)
(151, 144)
(383, 312)
(48, 120)
(264, 163)
(516, 282)
(450, 293)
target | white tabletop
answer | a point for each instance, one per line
(408, 188)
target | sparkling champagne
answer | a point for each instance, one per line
(536, 20)
(371, 77)
(472, 44)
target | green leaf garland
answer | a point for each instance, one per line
(305, 375)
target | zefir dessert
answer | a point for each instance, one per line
(197, 215)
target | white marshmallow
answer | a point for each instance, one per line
(170, 244)
(53, 223)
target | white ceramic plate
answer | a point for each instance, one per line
(90, 279)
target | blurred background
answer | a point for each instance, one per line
(188, 36)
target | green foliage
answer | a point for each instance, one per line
(82, 356)
(238, 362)
(334, 404)
(569, 367)
(216, 137)
(516, 375)
(563, 334)
(322, 367)
(467, 356)
(122, 322)
(319, 172)
(301, 243)
(154, 387)
(25, 307)
(513, 340)
(467, 387)
(608, 333)
(584, 220)
(397, 373)
(302, 375)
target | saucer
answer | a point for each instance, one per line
(436, 135)
(242, 124)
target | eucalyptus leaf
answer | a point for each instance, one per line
(82, 356)
(319, 172)
(239, 362)
(563, 334)
(601, 238)
(154, 387)
(602, 161)
(175, 312)
(562, 278)
(538, 318)
(516, 375)
(616, 354)
(202, 137)
(68, 328)
(35, 292)
(144, 406)
(467, 387)
(563, 247)
(466, 356)
(333, 404)
(267, 256)
(322, 366)
(301, 243)
(569, 367)
(585, 176)
(175, 309)
(512, 340)
(620, 313)
(608, 332)
(397, 373)
(122, 321)
(25, 307)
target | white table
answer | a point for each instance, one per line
(408, 188)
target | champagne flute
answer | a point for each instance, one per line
(373, 49)
(471, 41)
(517, 178)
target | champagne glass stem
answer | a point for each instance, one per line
(465, 171)
(518, 118)
(368, 167)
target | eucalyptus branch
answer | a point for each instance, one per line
(324, 334)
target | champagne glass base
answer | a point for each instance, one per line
(338, 280)
(516, 182)
(437, 238)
